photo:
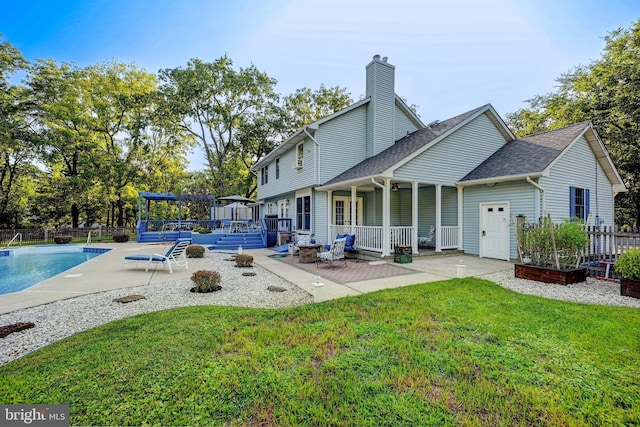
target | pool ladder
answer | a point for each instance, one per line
(14, 239)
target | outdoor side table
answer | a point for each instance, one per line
(309, 253)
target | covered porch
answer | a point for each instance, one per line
(385, 212)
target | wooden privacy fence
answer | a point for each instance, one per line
(606, 243)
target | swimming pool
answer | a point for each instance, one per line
(24, 267)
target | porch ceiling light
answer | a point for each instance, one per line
(395, 187)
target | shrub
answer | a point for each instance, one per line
(206, 281)
(628, 264)
(61, 240)
(120, 238)
(244, 260)
(204, 230)
(195, 251)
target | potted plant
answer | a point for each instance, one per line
(628, 266)
(551, 253)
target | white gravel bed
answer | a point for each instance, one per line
(64, 318)
(592, 291)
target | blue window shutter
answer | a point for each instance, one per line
(586, 204)
(572, 202)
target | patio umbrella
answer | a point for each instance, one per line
(236, 198)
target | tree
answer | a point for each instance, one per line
(216, 104)
(607, 92)
(17, 149)
(306, 106)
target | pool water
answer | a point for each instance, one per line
(25, 267)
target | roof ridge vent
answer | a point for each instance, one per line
(433, 123)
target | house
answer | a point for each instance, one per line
(374, 169)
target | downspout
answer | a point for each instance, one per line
(535, 184)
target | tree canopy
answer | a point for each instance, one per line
(607, 92)
(78, 143)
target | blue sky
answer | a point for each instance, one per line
(450, 55)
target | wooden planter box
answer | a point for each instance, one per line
(629, 288)
(550, 275)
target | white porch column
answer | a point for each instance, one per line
(414, 217)
(460, 216)
(353, 209)
(438, 217)
(329, 216)
(386, 218)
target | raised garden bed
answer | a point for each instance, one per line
(550, 275)
(630, 288)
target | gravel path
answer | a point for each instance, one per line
(64, 318)
(592, 291)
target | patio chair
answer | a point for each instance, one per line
(350, 245)
(174, 255)
(428, 241)
(335, 253)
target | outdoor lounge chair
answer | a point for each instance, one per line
(174, 255)
(335, 252)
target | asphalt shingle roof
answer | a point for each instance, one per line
(402, 148)
(530, 154)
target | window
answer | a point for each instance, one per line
(299, 156)
(303, 213)
(579, 203)
(278, 168)
(264, 175)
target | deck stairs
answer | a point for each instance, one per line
(231, 241)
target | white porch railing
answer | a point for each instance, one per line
(449, 236)
(401, 236)
(370, 237)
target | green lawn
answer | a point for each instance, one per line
(458, 352)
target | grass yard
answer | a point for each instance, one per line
(457, 352)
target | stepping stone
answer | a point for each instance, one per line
(129, 298)
(276, 289)
(249, 273)
(16, 327)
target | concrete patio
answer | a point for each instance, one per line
(106, 272)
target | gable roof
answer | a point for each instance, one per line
(534, 155)
(411, 145)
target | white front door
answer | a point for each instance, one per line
(342, 210)
(494, 230)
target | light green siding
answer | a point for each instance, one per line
(578, 167)
(521, 197)
(342, 142)
(445, 163)
(380, 111)
(404, 125)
